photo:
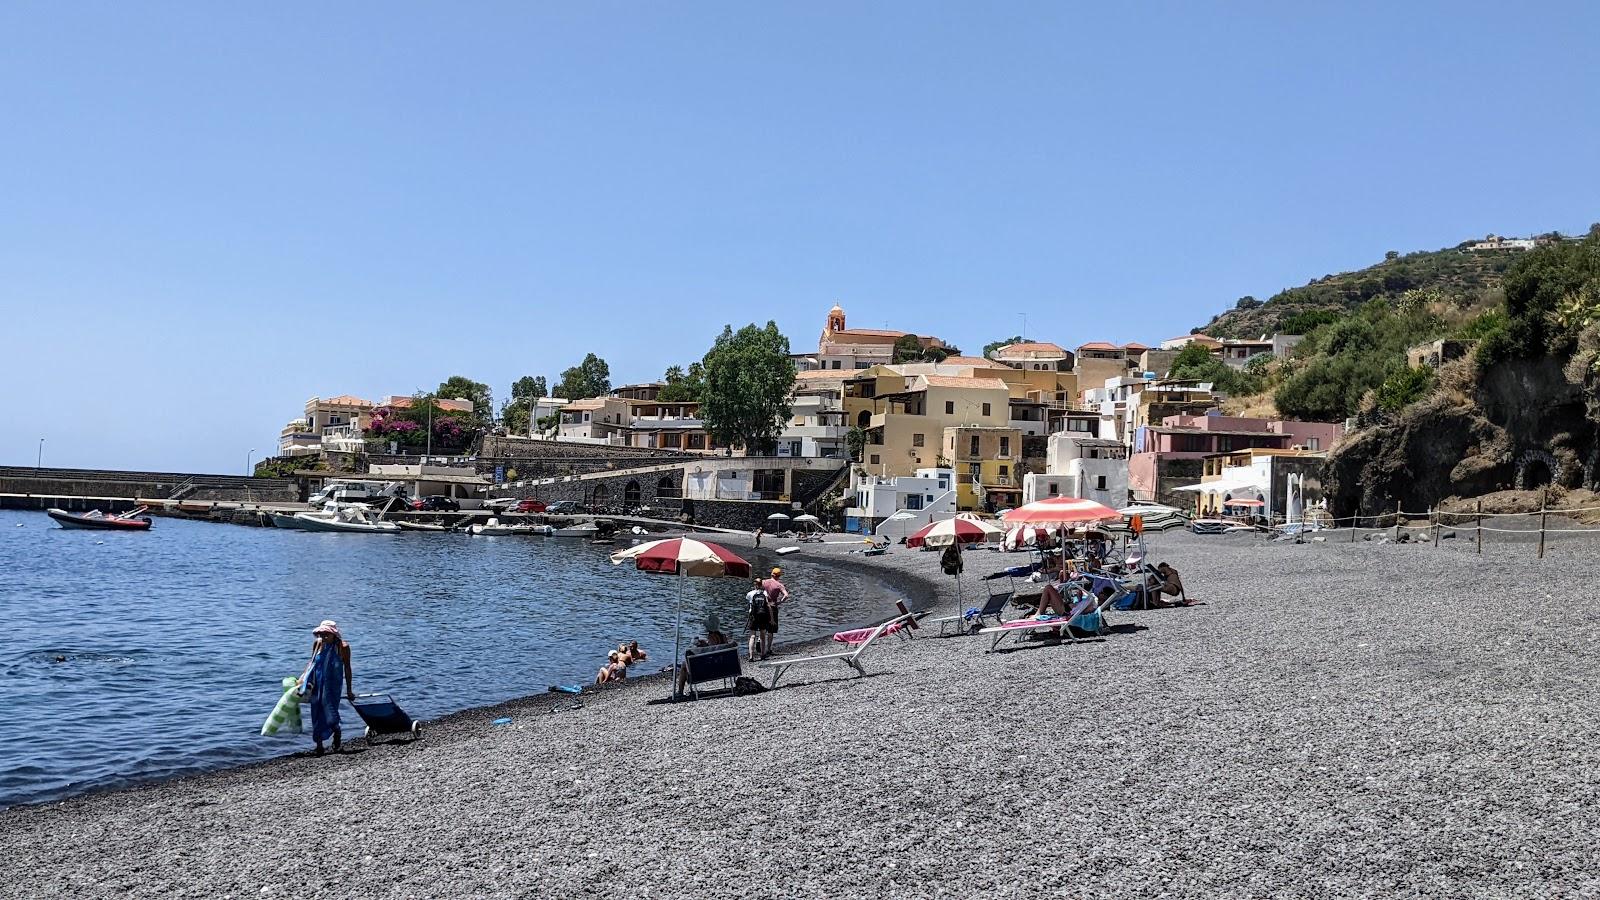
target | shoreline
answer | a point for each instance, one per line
(1328, 702)
(449, 726)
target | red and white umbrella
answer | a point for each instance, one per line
(1060, 511)
(683, 557)
(960, 530)
(1025, 536)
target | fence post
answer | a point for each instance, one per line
(1543, 500)
(1480, 527)
(1355, 522)
(1397, 521)
(1436, 526)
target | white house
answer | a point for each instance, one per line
(816, 426)
(928, 495)
(1077, 465)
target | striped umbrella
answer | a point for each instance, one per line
(1060, 511)
(960, 530)
(1024, 536)
(682, 557)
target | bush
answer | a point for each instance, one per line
(1405, 387)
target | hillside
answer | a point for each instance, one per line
(1463, 278)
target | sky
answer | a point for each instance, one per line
(212, 212)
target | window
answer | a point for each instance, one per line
(1005, 445)
(1313, 444)
(913, 501)
(917, 440)
(949, 407)
(1077, 425)
(944, 484)
(836, 363)
(1100, 483)
(975, 471)
(928, 498)
(794, 448)
(1052, 489)
(986, 410)
(1004, 470)
(975, 450)
(873, 460)
(863, 365)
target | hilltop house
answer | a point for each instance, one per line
(859, 348)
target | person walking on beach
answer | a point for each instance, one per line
(760, 529)
(777, 595)
(330, 665)
(758, 619)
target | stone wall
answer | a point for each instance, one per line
(1173, 473)
(613, 491)
(745, 515)
(149, 485)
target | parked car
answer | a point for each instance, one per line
(565, 508)
(530, 505)
(437, 503)
(500, 504)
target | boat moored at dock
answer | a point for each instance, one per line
(94, 519)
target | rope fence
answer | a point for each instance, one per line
(1437, 521)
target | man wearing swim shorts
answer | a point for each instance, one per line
(777, 594)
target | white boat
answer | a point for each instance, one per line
(285, 520)
(581, 530)
(492, 528)
(421, 526)
(357, 519)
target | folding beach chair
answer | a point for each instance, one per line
(1088, 605)
(994, 608)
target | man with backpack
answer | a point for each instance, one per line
(758, 619)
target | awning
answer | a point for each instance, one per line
(1221, 486)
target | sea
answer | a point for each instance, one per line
(140, 656)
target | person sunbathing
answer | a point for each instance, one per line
(1165, 580)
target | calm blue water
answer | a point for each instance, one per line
(176, 641)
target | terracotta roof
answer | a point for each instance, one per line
(974, 361)
(1134, 345)
(874, 332)
(961, 381)
(1031, 347)
(1098, 345)
(345, 400)
(826, 374)
(586, 403)
(1196, 338)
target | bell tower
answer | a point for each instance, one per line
(835, 319)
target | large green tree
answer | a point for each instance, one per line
(529, 387)
(460, 387)
(590, 378)
(749, 378)
(514, 414)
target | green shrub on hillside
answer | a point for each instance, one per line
(1405, 387)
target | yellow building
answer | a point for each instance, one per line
(985, 459)
(906, 417)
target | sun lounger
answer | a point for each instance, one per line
(851, 658)
(1084, 607)
(994, 609)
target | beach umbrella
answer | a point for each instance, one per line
(1060, 511)
(1023, 536)
(682, 557)
(960, 530)
(808, 521)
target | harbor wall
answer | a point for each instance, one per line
(23, 482)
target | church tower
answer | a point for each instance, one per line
(835, 319)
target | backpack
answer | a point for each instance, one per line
(744, 685)
(759, 609)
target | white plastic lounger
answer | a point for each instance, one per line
(1087, 605)
(851, 658)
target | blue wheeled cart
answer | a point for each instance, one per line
(384, 716)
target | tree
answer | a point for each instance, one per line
(529, 386)
(684, 387)
(992, 346)
(907, 349)
(590, 378)
(1404, 388)
(460, 387)
(748, 381)
(1247, 302)
(855, 442)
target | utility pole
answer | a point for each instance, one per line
(38, 462)
(429, 452)
(247, 457)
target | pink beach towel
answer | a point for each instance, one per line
(860, 635)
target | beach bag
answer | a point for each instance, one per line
(744, 685)
(951, 561)
(286, 715)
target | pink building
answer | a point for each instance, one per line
(1172, 453)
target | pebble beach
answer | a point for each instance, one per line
(1337, 719)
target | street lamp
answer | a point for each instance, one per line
(38, 462)
(247, 460)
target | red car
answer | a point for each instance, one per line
(530, 506)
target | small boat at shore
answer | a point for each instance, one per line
(285, 520)
(94, 519)
(421, 526)
(352, 519)
(583, 530)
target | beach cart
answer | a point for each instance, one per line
(384, 716)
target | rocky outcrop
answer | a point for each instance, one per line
(1523, 425)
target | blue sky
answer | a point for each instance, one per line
(210, 213)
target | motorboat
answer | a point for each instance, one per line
(285, 520)
(95, 519)
(582, 530)
(421, 526)
(492, 528)
(357, 519)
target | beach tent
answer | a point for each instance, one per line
(682, 557)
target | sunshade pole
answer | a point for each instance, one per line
(677, 635)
